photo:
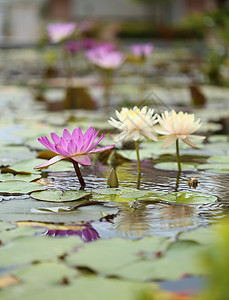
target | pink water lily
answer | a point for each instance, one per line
(105, 57)
(75, 146)
(58, 32)
(142, 50)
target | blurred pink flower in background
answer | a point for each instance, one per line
(73, 46)
(105, 57)
(58, 32)
(75, 146)
(88, 43)
(142, 50)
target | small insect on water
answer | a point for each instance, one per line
(193, 182)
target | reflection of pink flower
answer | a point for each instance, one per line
(72, 46)
(142, 50)
(106, 58)
(75, 146)
(57, 32)
(87, 234)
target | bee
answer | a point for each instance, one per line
(193, 182)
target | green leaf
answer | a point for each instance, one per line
(201, 235)
(20, 187)
(215, 168)
(27, 249)
(8, 235)
(220, 159)
(10, 176)
(173, 166)
(188, 198)
(45, 273)
(26, 166)
(59, 196)
(107, 256)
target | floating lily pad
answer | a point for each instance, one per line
(26, 166)
(59, 196)
(189, 198)
(106, 256)
(122, 195)
(19, 187)
(10, 176)
(173, 166)
(220, 159)
(48, 273)
(9, 235)
(85, 287)
(27, 249)
(201, 235)
(214, 168)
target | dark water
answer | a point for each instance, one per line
(140, 219)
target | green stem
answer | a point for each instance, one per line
(78, 173)
(138, 156)
(177, 180)
(178, 155)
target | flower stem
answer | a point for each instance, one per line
(178, 155)
(138, 156)
(78, 173)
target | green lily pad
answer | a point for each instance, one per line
(9, 235)
(188, 198)
(27, 249)
(10, 155)
(173, 166)
(53, 212)
(59, 196)
(85, 287)
(214, 168)
(220, 159)
(47, 273)
(20, 187)
(10, 176)
(121, 195)
(166, 266)
(6, 226)
(107, 256)
(26, 166)
(201, 235)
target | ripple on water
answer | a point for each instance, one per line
(140, 219)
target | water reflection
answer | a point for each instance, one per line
(158, 218)
(147, 219)
(87, 234)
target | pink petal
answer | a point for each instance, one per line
(66, 134)
(61, 151)
(50, 162)
(71, 147)
(82, 159)
(95, 144)
(102, 149)
(55, 138)
(45, 142)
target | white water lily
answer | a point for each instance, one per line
(135, 122)
(176, 126)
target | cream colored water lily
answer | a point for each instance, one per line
(135, 122)
(174, 126)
